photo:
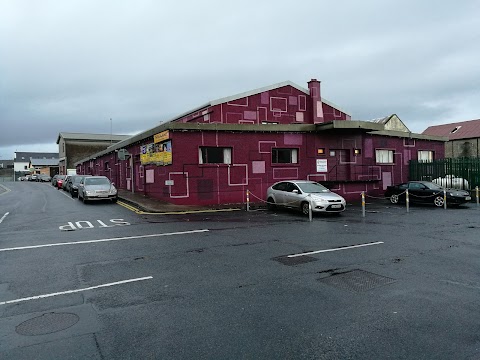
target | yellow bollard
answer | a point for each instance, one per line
(363, 203)
(248, 200)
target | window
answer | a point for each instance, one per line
(425, 155)
(214, 155)
(284, 156)
(384, 156)
(106, 166)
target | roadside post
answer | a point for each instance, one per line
(445, 199)
(407, 200)
(476, 193)
(363, 203)
(248, 200)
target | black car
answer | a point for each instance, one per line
(72, 184)
(426, 192)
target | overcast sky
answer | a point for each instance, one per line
(71, 66)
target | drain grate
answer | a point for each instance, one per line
(285, 260)
(356, 280)
(47, 324)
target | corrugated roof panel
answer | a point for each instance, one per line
(455, 131)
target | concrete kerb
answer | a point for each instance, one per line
(144, 210)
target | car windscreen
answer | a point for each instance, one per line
(97, 181)
(312, 188)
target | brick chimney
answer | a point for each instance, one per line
(316, 98)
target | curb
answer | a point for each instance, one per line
(139, 209)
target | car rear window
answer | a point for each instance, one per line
(97, 181)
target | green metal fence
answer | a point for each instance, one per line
(463, 173)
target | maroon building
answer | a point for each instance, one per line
(215, 153)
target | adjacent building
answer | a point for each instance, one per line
(463, 138)
(75, 146)
(24, 163)
(216, 152)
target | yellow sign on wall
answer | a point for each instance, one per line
(159, 155)
(162, 136)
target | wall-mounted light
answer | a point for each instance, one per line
(321, 151)
(357, 151)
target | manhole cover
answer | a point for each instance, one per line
(285, 260)
(356, 280)
(47, 324)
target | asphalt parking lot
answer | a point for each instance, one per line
(236, 284)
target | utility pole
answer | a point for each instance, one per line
(111, 127)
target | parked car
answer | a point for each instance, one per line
(22, 178)
(54, 180)
(64, 182)
(298, 194)
(33, 177)
(426, 192)
(59, 181)
(96, 188)
(72, 184)
(44, 178)
(451, 181)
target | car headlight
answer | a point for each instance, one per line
(113, 191)
(89, 192)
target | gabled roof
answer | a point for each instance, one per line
(26, 156)
(454, 131)
(391, 122)
(91, 137)
(44, 162)
(254, 92)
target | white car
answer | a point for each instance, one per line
(298, 194)
(452, 182)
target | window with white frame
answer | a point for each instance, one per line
(384, 156)
(425, 155)
(214, 155)
(284, 156)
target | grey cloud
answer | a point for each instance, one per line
(71, 66)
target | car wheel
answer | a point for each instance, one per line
(271, 204)
(438, 201)
(71, 193)
(305, 208)
(84, 200)
(114, 200)
(394, 199)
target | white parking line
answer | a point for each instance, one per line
(3, 217)
(74, 291)
(67, 195)
(335, 249)
(103, 240)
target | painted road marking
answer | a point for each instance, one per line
(335, 249)
(67, 195)
(7, 190)
(74, 291)
(3, 217)
(103, 240)
(85, 224)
